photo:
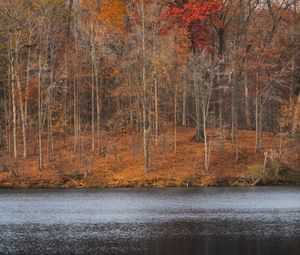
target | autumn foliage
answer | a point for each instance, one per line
(196, 17)
(146, 92)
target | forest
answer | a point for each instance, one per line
(136, 93)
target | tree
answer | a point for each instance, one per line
(102, 17)
(203, 76)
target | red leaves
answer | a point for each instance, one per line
(200, 11)
(196, 17)
(175, 11)
(193, 12)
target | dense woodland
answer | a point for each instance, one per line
(77, 76)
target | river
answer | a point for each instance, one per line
(166, 221)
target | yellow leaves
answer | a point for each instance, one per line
(112, 13)
(2, 46)
(286, 113)
(51, 3)
(89, 5)
(288, 110)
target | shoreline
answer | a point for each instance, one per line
(224, 182)
(121, 168)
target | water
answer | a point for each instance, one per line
(151, 221)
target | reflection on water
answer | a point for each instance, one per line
(151, 221)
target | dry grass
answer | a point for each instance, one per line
(122, 168)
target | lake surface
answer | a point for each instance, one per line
(174, 221)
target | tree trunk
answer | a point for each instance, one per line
(1, 127)
(247, 104)
(257, 109)
(98, 109)
(40, 113)
(14, 114)
(23, 118)
(206, 153)
(27, 82)
(144, 103)
(8, 111)
(156, 114)
(220, 95)
(234, 114)
(93, 75)
(75, 113)
(175, 125)
(296, 118)
(199, 132)
(184, 96)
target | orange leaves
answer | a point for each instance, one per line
(32, 86)
(112, 14)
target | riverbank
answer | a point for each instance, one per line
(122, 164)
(153, 182)
(146, 183)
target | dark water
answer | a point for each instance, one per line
(151, 221)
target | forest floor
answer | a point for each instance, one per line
(123, 168)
